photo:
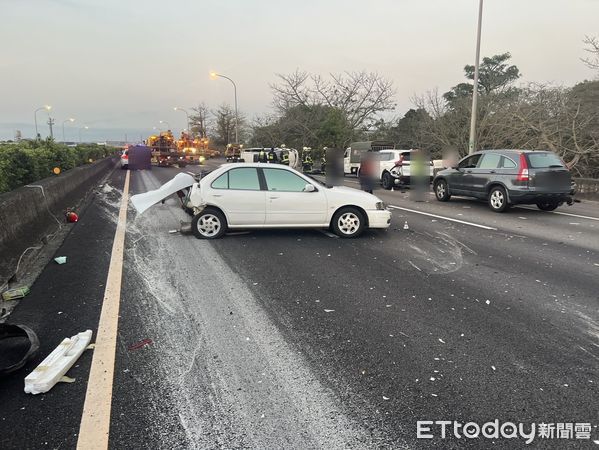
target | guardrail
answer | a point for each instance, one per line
(588, 188)
(30, 213)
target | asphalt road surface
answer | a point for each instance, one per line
(297, 339)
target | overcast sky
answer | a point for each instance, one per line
(120, 66)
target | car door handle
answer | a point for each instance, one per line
(274, 197)
(217, 195)
(492, 171)
(468, 171)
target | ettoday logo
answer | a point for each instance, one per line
(445, 429)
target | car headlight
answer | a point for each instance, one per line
(380, 206)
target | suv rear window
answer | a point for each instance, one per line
(543, 160)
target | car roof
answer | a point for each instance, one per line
(257, 164)
(512, 150)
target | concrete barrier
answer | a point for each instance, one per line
(25, 219)
(588, 188)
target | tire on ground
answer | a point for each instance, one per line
(387, 181)
(441, 190)
(498, 201)
(348, 222)
(547, 205)
(209, 224)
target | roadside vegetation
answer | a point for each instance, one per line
(25, 162)
(331, 111)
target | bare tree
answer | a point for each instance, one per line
(359, 95)
(199, 121)
(592, 48)
(550, 118)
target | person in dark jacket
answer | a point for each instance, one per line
(366, 172)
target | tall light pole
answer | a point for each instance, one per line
(84, 127)
(47, 108)
(178, 108)
(214, 75)
(472, 142)
(63, 122)
(167, 124)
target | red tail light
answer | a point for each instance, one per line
(523, 171)
(125, 156)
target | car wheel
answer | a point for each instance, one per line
(442, 191)
(348, 223)
(547, 205)
(498, 199)
(125, 166)
(387, 181)
(209, 224)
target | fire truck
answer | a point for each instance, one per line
(165, 151)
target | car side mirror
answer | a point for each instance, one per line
(309, 188)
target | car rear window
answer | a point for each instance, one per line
(543, 160)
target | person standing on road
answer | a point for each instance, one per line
(262, 156)
(365, 173)
(272, 156)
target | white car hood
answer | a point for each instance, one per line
(141, 202)
(345, 194)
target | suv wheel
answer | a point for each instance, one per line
(547, 205)
(442, 190)
(387, 181)
(498, 199)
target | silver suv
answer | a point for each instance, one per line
(508, 177)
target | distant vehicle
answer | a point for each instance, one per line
(258, 195)
(353, 154)
(508, 177)
(125, 159)
(394, 167)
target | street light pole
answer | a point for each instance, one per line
(63, 122)
(472, 141)
(177, 108)
(214, 75)
(167, 124)
(47, 108)
(81, 128)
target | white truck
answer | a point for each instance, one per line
(353, 154)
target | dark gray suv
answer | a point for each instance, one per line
(508, 177)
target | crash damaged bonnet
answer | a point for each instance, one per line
(141, 202)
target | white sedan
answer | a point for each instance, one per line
(259, 195)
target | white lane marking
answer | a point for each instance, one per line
(95, 420)
(560, 213)
(484, 227)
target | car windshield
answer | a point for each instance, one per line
(544, 160)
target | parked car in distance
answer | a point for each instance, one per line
(508, 177)
(395, 168)
(125, 159)
(258, 195)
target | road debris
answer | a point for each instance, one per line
(15, 293)
(55, 366)
(406, 226)
(60, 259)
(140, 344)
(329, 310)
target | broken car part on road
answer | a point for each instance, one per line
(52, 369)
